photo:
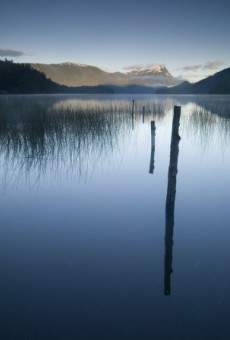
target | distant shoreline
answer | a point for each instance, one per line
(112, 94)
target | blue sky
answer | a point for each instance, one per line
(186, 36)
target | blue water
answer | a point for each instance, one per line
(82, 232)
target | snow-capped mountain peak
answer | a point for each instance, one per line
(152, 69)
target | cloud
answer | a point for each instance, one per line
(4, 52)
(195, 72)
(209, 65)
(213, 65)
(191, 67)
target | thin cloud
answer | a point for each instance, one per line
(209, 65)
(195, 72)
(4, 52)
(192, 67)
(213, 65)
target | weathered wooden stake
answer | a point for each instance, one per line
(153, 134)
(170, 199)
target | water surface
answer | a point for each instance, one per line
(83, 235)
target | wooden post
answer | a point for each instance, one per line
(153, 134)
(143, 114)
(170, 200)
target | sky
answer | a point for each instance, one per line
(191, 38)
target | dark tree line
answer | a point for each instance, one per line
(22, 78)
(18, 78)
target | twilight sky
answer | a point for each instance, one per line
(190, 37)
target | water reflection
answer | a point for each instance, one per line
(91, 253)
(52, 133)
(203, 125)
(77, 133)
(37, 138)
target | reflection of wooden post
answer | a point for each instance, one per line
(153, 134)
(170, 199)
(133, 103)
(143, 114)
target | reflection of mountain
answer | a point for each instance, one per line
(71, 74)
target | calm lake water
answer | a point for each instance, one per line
(84, 248)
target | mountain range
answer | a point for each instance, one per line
(19, 78)
(73, 74)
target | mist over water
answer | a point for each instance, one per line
(84, 224)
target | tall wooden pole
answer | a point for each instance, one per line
(170, 200)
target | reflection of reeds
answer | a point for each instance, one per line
(74, 133)
(47, 133)
(156, 108)
(205, 125)
(153, 106)
(40, 138)
(71, 134)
